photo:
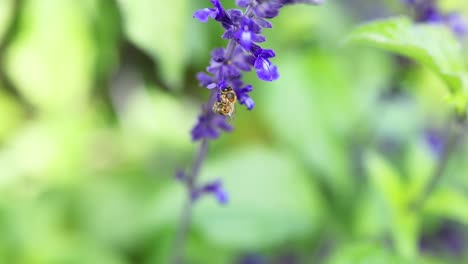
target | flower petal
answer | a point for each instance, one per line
(203, 14)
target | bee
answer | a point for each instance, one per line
(226, 105)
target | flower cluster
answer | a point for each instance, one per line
(427, 11)
(243, 29)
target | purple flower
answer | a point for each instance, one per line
(210, 125)
(310, 2)
(457, 23)
(203, 14)
(243, 3)
(248, 33)
(436, 142)
(218, 13)
(267, 8)
(252, 259)
(214, 188)
(206, 80)
(221, 67)
(427, 11)
(265, 69)
(243, 96)
(181, 175)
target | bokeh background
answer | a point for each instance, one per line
(97, 98)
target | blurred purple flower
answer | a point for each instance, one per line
(214, 188)
(252, 259)
(427, 11)
(447, 238)
(436, 142)
(209, 126)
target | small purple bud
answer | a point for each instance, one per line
(181, 175)
(436, 142)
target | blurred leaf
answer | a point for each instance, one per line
(403, 222)
(420, 164)
(47, 150)
(104, 19)
(51, 59)
(156, 119)
(365, 253)
(372, 253)
(431, 45)
(159, 28)
(11, 115)
(448, 203)
(271, 201)
(297, 108)
(5, 16)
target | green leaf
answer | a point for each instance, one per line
(363, 253)
(52, 57)
(431, 45)
(271, 201)
(159, 28)
(5, 16)
(420, 165)
(448, 203)
(372, 253)
(11, 115)
(403, 223)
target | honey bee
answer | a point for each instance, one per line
(226, 106)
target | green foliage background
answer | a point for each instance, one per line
(97, 98)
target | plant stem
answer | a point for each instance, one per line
(190, 185)
(454, 139)
(186, 216)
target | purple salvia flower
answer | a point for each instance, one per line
(203, 14)
(427, 11)
(457, 23)
(180, 175)
(244, 97)
(220, 67)
(248, 33)
(243, 3)
(436, 142)
(265, 69)
(267, 8)
(206, 80)
(309, 2)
